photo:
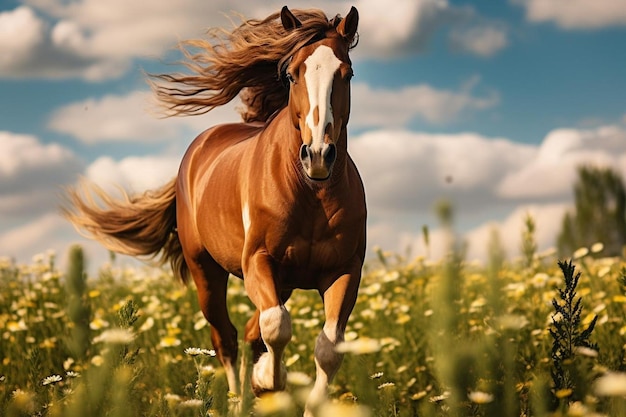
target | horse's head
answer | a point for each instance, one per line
(319, 74)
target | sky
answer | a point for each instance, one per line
(490, 105)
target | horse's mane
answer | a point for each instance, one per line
(246, 60)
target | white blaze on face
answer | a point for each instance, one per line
(321, 67)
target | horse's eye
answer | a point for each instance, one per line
(289, 77)
(349, 75)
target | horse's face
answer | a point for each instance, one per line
(319, 97)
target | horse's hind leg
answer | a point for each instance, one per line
(212, 282)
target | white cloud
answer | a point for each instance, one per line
(20, 33)
(576, 14)
(31, 174)
(408, 27)
(547, 217)
(95, 40)
(486, 179)
(51, 232)
(132, 117)
(551, 172)
(411, 171)
(482, 41)
(133, 173)
(381, 107)
(34, 237)
(398, 239)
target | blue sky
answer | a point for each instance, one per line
(505, 98)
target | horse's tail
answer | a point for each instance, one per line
(142, 225)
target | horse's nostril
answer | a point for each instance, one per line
(305, 152)
(330, 154)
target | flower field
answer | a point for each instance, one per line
(446, 338)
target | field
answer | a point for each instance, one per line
(445, 338)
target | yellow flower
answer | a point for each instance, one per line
(619, 298)
(359, 346)
(97, 360)
(613, 384)
(115, 336)
(169, 341)
(147, 325)
(48, 343)
(580, 252)
(480, 397)
(344, 410)
(16, 326)
(98, 323)
(292, 359)
(201, 323)
(298, 378)
(563, 393)
(24, 401)
(418, 395)
(597, 247)
(403, 318)
(172, 399)
(274, 402)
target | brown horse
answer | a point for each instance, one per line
(276, 200)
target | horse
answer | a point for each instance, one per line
(275, 200)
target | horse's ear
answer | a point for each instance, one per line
(289, 21)
(347, 27)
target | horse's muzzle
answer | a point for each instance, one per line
(318, 164)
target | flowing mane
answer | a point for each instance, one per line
(246, 60)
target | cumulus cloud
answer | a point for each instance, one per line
(29, 50)
(550, 173)
(407, 26)
(406, 174)
(95, 42)
(480, 40)
(411, 171)
(31, 174)
(547, 218)
(133, 116)
(576, 14)
(20, 33)
(133, 173)
(51, 232)
(36, 236)
(383, 107)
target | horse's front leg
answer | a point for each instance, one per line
(269, 372)
(339, 299)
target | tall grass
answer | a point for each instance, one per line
(444, 338)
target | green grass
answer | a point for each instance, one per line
(448, 338)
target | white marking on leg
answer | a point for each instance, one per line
(231, 377)
(321, 67)
(269, 372)
(245, 218)
(327, 362)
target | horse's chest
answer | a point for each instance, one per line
(316, 245)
